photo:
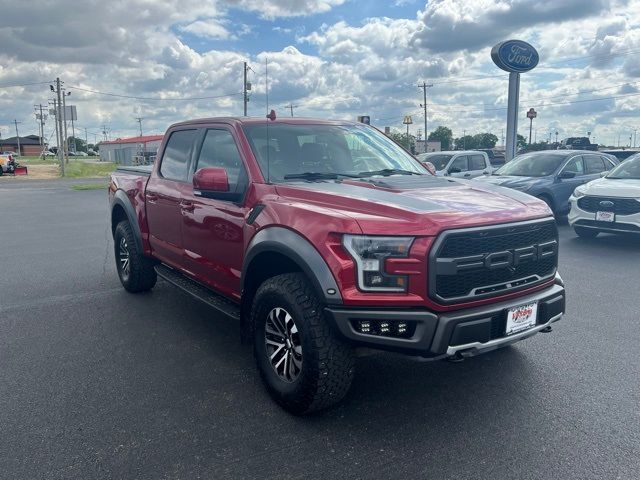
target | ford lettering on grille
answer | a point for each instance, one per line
(482, 262)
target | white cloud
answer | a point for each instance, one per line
(210, 28)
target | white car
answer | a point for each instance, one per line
(462, 164)
(609, 204)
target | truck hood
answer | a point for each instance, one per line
(613, 188)
(416, 205)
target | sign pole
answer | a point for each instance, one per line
(512, 115)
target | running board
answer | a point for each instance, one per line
(214, 300)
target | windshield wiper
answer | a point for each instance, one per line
(388, 171)
(311, 176)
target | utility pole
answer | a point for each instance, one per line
(16, 122)
(57, 107)
(464, 139)
(291, 106)
(139, 119)
(424, 87)
(246, 87)
(86, 140)
(64, 127)
(104, 132)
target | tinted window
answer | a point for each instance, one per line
(476, 162)
(460, 164)
(593, 164)
(533, 165)
(575, 165)
(219, 150)
(176, 155)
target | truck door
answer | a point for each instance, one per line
(163, 196)
(212, 228)
(459, 167)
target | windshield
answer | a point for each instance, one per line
(439, 160)
(532, 165)
(334, 150)
(629, 169)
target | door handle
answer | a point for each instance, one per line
(187, 206)
(152, 197)
(467, 174)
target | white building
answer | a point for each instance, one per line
(131, 151)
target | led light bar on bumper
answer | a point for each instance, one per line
(370, 253)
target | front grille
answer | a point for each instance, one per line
(482, 262)
(620, 206)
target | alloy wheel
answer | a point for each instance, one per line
(284, 348)
(124, 258)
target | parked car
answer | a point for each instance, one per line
(550, 175)
(323, 236)
(609, 204)
(13, 154)
(49, 153)
(462, 164)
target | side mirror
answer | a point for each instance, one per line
(566, 175)
(604, 174)
(454, 170)
(210, 180)
(430, 167)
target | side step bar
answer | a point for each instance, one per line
(202, 293)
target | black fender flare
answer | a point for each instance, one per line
(302, 253)
(121, 199)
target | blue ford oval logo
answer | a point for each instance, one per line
(606, 204)
(515, 56)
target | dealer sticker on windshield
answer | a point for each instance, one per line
(521, 318)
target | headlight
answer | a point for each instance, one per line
(579, 192)
(369, 253)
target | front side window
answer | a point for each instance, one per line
(284, 150)
(439, 160)
(460, 164)
(176, 155)
(575, 165)
(219, 150)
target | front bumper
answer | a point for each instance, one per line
(460, 333)
(582, 218)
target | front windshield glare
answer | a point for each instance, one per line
(629, 169)
(532, 165)
(286, 150)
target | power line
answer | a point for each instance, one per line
(153, 98)
(23, 84)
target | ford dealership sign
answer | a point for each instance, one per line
(515, 56)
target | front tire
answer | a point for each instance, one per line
(136, 271)
(303, 365)
(586, 232)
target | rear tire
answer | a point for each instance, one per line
(586, 232)
(136, 271)
(289, 322)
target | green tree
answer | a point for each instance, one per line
(81, 146)
(444, 135)
(521, 142)
(485, 140)
(401, 139)
(465, 143)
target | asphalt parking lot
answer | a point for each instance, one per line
(98, 383)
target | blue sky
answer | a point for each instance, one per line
(170, 60)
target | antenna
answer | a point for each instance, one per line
(266, 89)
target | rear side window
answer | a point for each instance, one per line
(593, 164)
(476, 162)
(176, 154)
(219, 150)
(460, 164)
(608, 164)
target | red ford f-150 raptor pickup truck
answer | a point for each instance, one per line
(323, 236)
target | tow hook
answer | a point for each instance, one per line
(546, 329)
(457, 358)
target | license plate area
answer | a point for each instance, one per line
(605, 217)
(521, 318)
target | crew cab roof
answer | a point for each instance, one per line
(262, 120)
